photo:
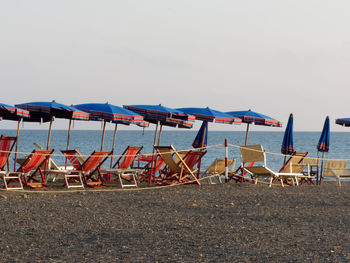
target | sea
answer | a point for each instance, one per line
(86, 141)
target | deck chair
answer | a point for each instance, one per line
(124, 167)
(29, 171)
(293, 165)
(181, 172)
(310, 170)
(217, 169)
(147, 170)
(87, 172)
(6, 145)
(256, 153)
(337, 169)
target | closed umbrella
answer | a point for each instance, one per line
(201, 139)
(46, 112)
(252, 117)
(287, 144)
(323, 144)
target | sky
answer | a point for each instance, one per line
(274, 57)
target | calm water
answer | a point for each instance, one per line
(88, 140)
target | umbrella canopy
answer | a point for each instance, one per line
(47, 111)
(250, 117)
(8, 112)
(201, 139)
(343, 121)
(207, 114)
(287, 144)
(111, 113)
(323, 143)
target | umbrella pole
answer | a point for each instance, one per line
(153, 159)
(103, 135)
(18, 126)
(160, 134)
(49, 136)
(246, 134)
(68, 136)
(321, 172)
(113, 145)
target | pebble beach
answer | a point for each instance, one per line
(209, 223)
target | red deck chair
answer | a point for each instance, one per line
(29, 169)
(6, 145)
(182, 171)
(146, 169)
(89, 170)
(124, 167)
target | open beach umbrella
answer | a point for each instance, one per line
(343, 122)
(256, 118)
(111, 113)
(46, 111)
(287, 144)
(201, 139)
(323, 143)
(8, 112)
(163, 116)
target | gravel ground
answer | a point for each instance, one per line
(212, 223)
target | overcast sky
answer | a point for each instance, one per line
(275, 57)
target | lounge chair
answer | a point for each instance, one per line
(256, 153)
(182, 171)
(87, 172)
(147, 170)
(337, 169)
(6, 145)
(310, 170)
(294, 165)
(123, 167)
(28, 171)
(217, 169)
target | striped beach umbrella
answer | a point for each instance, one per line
(252, 117)
(111, 113)
(44, 111)
(201, 139)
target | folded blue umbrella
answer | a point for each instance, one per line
(323, 143)
(287, 144)
(201, 139)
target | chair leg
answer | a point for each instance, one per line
(12, 179)
(77, 177)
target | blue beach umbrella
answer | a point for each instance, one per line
(343, 122)
(207, 114)
(252, 117)
(201, 139)
(287, 144)
(44, 111)
(111, 113)
(323, 144)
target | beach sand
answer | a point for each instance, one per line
(212, 223)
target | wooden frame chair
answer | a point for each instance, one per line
(28, 170)
(87, 172)
(217, 169)
(336, 168)
(124, 167)
(6, 145)
(147, 170)
(182, 171)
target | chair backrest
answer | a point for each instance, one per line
(74, 157)
(333, 164)
(166, 153)
(218, 166)
(292, 164)
(252, 153)
(6, 145)
(34, 160)
(191, 158)
(128, 157)
(95, 160)
(181, 154)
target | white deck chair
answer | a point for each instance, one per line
(337, 169)
(217, 169)
(256, 153)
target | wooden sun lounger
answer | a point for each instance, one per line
(337, 169)
(217, 169)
